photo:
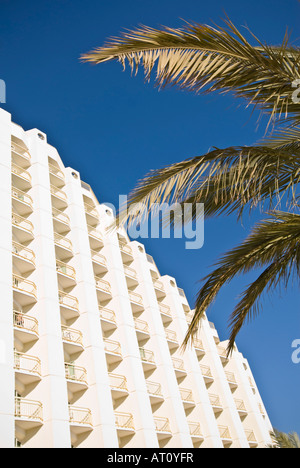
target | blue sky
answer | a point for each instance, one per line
(114, 128)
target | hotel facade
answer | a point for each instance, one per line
(91, 333)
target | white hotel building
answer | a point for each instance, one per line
(90, 333)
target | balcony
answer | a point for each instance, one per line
(99, 262)
(165, 312)
(95, 238)
(103, 289)
(126, 252)
(22, 202)
(63, 247)
(118, 385)
(28, 416)
(124, 424)
(147, 358)
(27, 371)
(23, 258)
(108, 319)
(136, 301)
(225, 435)
(24, 291)
(172, 339)
(57, 177)
(142, 329)
(231, 380)
(72, 341)
(25, 330)
(179, 368)
(222, 352)
(162, 427)
(66, 274)
(76, 377)
(215, 403)
(20, 155)
(187, 398)
(131, 276)
(92, 217)
(22, 228)
(207, 375)
(80, 420)
(113, 351)
(61, 221)
(251, 438)
(195, 432)
(198, 346)
(21, 178)
(69, 306)
(240, 406)
(159, 288)
(155, 392)
(59, 198)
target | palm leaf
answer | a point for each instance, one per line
(201, 58)
(273, 244)
(283, 440)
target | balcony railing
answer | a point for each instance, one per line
(56, 171)
(230, 377)
(186, 394)
(205, 370)
(250, 435)
(25, 322)
(135, 297)
(63, 241)
(65, 269)
(24, 285)
(24, 252)
(197, 343)
(28, 409)
(18, 194)
(21, 222)
(112, 346)
(130, 271)
(146, 355)
(141, 325)
(158, 284)
(124, 420)
(162, 424)
(224, 432)
(71, 335)
(222, 352)
(154, 388)
(60, 216)
(107, 314)
(118, 381)
(125, 247)
(102, 284)
(67, 300)
(80, 416)
(76, 373)
(214, 399)
(178, 363)
(25, 363)
(90, 210)
(58, 193)
(240, 405)
(171, 335)
(94, 233)
(20, 172)
(164, 309)
(19, 150)
(98, 258)
(195, 429)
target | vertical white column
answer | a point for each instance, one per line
(6, 310)
(98, 396)
(52, 390)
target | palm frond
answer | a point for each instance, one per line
(283, 440)
(202, 58)
(283, 138)
(225, 180)
(273, 244)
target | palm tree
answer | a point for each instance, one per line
(283, 440)
(202, 58)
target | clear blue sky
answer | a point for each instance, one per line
(114, 128)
